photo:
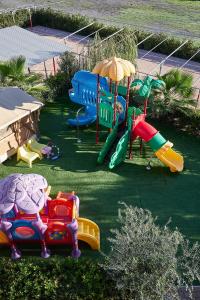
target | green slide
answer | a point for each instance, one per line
(120, 153)
(115, 148)
(107, 145)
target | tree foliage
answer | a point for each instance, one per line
(13, 73)
(61, 82)
(148, 261)
(178, 94)
(122, 45)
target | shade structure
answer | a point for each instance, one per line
(16, 41)
(114, 68)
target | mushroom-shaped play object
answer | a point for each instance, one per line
(24, 192)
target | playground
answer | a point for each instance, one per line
(99, 162)
(100, 190)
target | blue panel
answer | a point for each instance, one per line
(85, 93)
(85, 87)
(123, 103)
(88, 118)
(10, 214)
(24, 230)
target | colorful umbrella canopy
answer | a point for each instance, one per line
(24, 190)
(114, 68)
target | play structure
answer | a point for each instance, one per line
(28, 215)
(112, 111)
(85, 93)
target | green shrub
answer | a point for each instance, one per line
(54, 278)
(98, 51)
(20, 18)
(148, 261)
(12, 73)
(188, 121)
(61, 82)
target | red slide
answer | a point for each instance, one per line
(145, 131)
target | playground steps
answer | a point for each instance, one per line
(89, 232)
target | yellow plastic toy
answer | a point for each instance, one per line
(89, 232)
(26, 155)
(34, 146)
(170, 158)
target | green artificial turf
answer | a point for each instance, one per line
(100, 190)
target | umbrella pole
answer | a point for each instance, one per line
(127, 98)
(115, 101)
(110, 85)
(132, 137)
(97, 106)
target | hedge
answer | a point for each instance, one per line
(20, 18)
(54, 278)
(71, 23)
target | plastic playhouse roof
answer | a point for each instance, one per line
(15, 104)
(15, 41)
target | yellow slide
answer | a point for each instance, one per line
(170, 158)
(89, 232)
(3, 238)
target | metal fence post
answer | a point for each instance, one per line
(198, 98)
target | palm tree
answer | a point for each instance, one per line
(177, 95)
(13, 73)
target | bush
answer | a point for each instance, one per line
(148, 261)
(98, 51)
(68, 22)
(54, 278)
(61, 82)
(187, 121)
(20, 18)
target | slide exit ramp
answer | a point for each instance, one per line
(89, 232)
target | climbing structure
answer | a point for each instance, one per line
(27, 215)
(84, 92)
(114, 150)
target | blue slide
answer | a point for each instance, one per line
(89, 116)
(84, 92)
